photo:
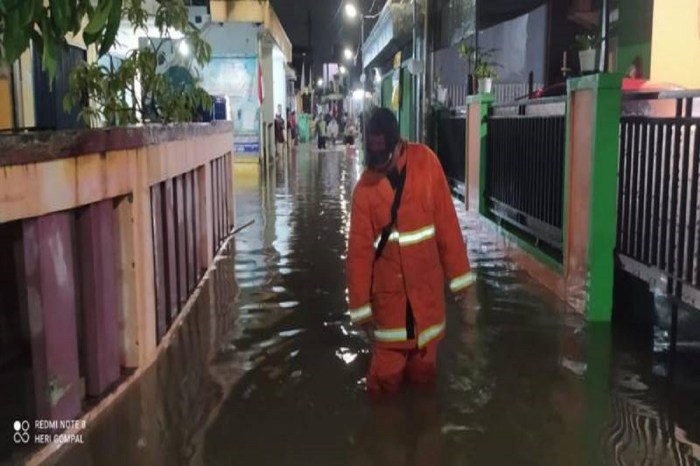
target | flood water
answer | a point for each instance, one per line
(266, 370)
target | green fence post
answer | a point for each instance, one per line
(593, 123)
(477, 175)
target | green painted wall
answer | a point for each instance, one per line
(386, 91)
(406, 119)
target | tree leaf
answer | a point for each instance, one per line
(49, 56)
(16, 36)
(58, 17)
(26, 12)
(99, 19)
(110, 34)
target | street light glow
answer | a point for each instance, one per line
(319, 82)
(184, 48)
(350, 10)
(343, 70)
(348, 54)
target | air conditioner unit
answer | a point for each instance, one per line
(198, 15)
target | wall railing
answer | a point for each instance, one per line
(525, 168)
(658, 205)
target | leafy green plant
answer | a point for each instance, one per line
(484, 70)
(129, 91)
(587, 41)
(48, 24)
(480, 61)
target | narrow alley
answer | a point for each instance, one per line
(266, 369)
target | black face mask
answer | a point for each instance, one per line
(378, 151)
(377, 160)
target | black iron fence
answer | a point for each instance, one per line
(525, 168)
(451, 148)
(658, 234)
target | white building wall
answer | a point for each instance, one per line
(279, 79)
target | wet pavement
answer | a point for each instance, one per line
(266, 369)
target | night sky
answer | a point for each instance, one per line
(329, 27)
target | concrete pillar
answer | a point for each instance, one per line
(170, 251)
(97, 255)
(189, 231)
(590, 190)
(206, 233)
(267, 110)
(52, 304)
(196, 223)
(159, 259)
(144, 274)
(181, 245)
(126, 278)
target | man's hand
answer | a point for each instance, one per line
(461, 296)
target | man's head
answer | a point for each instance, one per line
(381, 140)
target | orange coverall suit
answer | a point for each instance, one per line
(402, 293)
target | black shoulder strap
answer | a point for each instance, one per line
(397, 181)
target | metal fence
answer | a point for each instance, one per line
(525, 168)
(658, 234)
(451, 140)
(503, 92)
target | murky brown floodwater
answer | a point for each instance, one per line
(267, 370)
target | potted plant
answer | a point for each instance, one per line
(482, 66)
(587, 44)
(485, 73)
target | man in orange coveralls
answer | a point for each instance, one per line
(405, 240)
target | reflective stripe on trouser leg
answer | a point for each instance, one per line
(391, 335)
(430, 333)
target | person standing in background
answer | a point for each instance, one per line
(279, 131)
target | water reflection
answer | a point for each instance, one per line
(267, 369)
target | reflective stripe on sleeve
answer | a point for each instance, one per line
(461, 282)
(361, 313)
(430, 333)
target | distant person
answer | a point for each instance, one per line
(635, 69)
(293, 129)
(400, 254)
(342, 122)
(349, 134)
(333, 130)
(321, 132)
(279, 132)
